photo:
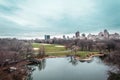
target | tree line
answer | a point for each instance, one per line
(86, 45)
(13, 50)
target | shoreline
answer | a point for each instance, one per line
(16, 70)
(90, 57)
(76, 57)
(24, 70)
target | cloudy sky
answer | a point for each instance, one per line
(59, 16)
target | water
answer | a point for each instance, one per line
(69, 69)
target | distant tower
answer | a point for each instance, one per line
(68, 37)
(64, 37)
(47, 37)
(100, 35)
(106, 34)
(83, 35)
(77, 34)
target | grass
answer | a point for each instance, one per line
(35, 45)
(84, 54)
(57, 54)
(50, 47)
(52, 50)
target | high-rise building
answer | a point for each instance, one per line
(64, 37)
(77, 34)
(100, 36)
(106, 34)
(83, 36)
(114, 36)
(47, 37)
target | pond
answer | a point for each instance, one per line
(68, 68)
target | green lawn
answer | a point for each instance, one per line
(83, 54)
(57, 54)
(35, 45)
(49, 47)
(54, 50)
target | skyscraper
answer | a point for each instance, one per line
(47, 37)
(77, 34)
(106, 34)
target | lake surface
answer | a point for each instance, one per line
(68, 68)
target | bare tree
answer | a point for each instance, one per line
(74, 49)
(41, 51)
(13, 50)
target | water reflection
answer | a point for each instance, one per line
(113, 76)
(88, 61)
(114, 72)
(73, 60)
(29, 77)
(61, 69)
(42, 64)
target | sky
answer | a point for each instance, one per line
(33, 17)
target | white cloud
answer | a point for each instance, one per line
(56, 8)
(42, 14)
(80, 8)
(36, 13)
(59, 16)
(14, 19)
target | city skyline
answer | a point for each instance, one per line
(76, 35)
